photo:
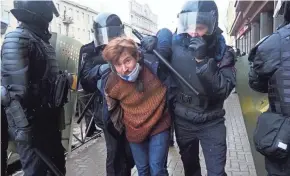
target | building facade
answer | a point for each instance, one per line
(230, 18)
(253, 20)
(6, 15)
(75, 20)
(133, 15)
(142, 18)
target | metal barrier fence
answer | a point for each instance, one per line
(82, 112)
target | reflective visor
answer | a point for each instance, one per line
(196, 21)
(105, 35)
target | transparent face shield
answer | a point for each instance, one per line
(103, 36)
(202, 23)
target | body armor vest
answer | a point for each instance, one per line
(48, 86)
(184, 63)
(279, 84)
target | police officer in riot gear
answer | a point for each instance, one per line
(200, 55)
(32, 81)
(106, 26)
(4, 125)
(269, 74)
(4, 141)
(93, 110)
(201, 118)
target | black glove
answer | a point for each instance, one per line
(206, 71)
(256, 83)
(149, 43)
(19, 128)
(24, 135)
(252, 73)
(198, 47)
(21, 135)
(228, 59)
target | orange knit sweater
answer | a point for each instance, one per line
(144, 112)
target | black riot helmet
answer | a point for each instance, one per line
(106, 27)
(38, 11)
(283, 8)
(198, 12)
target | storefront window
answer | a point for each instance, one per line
(246, 42)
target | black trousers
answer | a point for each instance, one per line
(47, 139)
(119, 160)
(4, 142)
(277, 167)
(213, 143)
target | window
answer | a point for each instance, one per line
(59, 28)
(70, 12)
(79, 32)
(78, 15)
(88, 16)
(246, 42)
(83, 16)
(73, 32)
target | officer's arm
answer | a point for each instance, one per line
(90, 75)
(265, 60)
(161, 43)
(221, 47)
(16, 52)
(164, 42)
(218, 81)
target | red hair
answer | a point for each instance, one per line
(116, 47)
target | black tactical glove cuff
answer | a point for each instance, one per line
(149, 43)
(252, 74)
(24, 135)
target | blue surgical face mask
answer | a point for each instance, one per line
(133, 75)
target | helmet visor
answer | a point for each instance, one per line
(103, 36)
(196, 22)
(52, 6)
